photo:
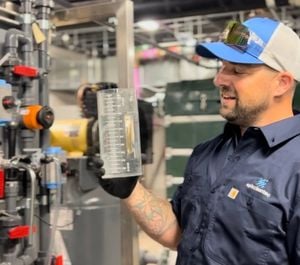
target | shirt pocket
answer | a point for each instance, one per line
(242, 231)
(192, 207)
(192, 204)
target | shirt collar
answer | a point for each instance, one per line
(282, 131)
(274, 133)
(231, 130)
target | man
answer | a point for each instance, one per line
(240, 200)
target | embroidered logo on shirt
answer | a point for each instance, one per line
(233, 193)
(259, 186)
(262, 183)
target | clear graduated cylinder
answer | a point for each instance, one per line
(119, 132)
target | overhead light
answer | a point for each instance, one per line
(65, 38)
(148, 25)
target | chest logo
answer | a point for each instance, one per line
(262, 183)
(233, 193)
(260, 186)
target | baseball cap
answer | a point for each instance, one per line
(261, 41)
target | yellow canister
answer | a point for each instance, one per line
(71, 135)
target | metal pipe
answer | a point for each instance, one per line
(14, 38)
(11, 195)
(10, 12)
(12, 138)
(44, 230)
(43, 11)
(26, 27)
(56, 205)
(30, 94)
(125, 56)
(30, 198)
(10, 21)
(43, 15)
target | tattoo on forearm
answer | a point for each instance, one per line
(153, 214)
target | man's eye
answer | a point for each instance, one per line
(238, 71)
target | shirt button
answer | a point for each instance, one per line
(249, 202)
(213, 191)
(230, 157)
(192, 249)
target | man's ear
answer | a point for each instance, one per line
(284, 83)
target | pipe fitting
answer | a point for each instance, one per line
(14, 37)
(44, 3)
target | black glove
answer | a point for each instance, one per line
(118, 187)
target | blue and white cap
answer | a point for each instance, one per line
(279, 47)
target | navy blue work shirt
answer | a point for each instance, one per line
(239, 203)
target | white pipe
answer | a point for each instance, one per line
(11, 21)
(56, 206)
(11, 12)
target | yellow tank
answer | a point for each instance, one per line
(71, 135)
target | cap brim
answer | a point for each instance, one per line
(219, 50)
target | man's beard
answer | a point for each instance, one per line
(244, 115)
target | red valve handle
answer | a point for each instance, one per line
(19, 232)
(24, 70)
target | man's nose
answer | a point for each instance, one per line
(221, 79)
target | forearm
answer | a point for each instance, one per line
(155, 216)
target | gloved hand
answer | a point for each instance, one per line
(118, 187)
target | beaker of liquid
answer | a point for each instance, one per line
(119, 132)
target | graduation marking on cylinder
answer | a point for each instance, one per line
(118, 127)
